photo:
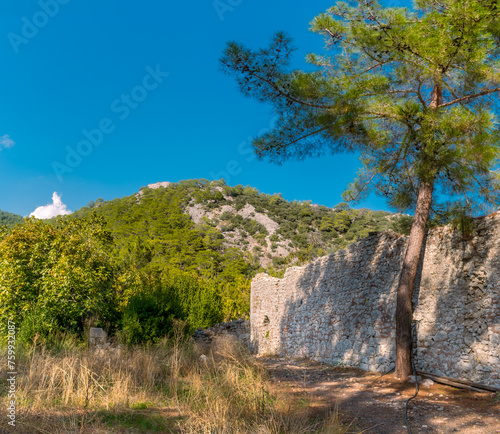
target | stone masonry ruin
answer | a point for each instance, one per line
(340, 308)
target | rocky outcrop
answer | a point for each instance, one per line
(248, 211)
(234, 238)
(340, 308)
(154, 186)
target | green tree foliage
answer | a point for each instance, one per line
(403, 225)
(342, 207)
(299, 221)
(54, 277)
(342, 221)
(410, 91)
(58, 276)
(154, 227)
(158, 296)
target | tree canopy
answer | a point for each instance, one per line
(414, 92)
(54, 277)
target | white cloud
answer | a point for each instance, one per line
(51, 210)
(6, 142)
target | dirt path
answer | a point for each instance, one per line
(375, 403)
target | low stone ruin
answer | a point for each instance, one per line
(97, 337)
(238, 329)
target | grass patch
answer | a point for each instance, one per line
(151, 422)
(167, 388)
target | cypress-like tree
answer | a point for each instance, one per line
(414, 92)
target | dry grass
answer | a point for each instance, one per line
(165, 388)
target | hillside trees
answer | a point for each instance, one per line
(9, 219)
(156, 296)
(413, 92)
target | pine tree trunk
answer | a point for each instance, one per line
(404, 312)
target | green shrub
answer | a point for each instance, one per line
(148, 316)
(226, 215)
(157, 297)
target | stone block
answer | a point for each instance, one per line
(97, 337)
(97, 333)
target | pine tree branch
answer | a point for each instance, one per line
(398, 45)
(484, 190)
(372, 67)
(419, 94)
(457, 49)
(381, 115)
(469, 97)
(288, 96)
(335, 38)
(363, 188)
(389, 61)
(389, 92)
(304, 137)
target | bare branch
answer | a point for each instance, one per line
(304, 137)
(419, 94)
(469, 97)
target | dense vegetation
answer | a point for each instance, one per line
(62, 276)
(53, 277)
(311, 230)
(162, 388)
(134, 265)
(8, 219)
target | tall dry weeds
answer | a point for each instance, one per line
(166, 386)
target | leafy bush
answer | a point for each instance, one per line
(148, 317)
(156, 296)
(54, 277)
(226, 215)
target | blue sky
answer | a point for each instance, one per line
(146, 76)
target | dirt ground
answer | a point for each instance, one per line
(374, 403)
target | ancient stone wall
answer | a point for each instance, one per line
(340, 308)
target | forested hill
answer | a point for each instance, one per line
(203, 225)
(8, 219)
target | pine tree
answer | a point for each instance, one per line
(413, 92)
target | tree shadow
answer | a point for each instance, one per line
(372, 403)
(459, 304)
(340, 310)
